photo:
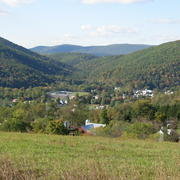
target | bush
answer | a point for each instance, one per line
(40, 125)
(57, 127)
(140, 130)
(15, 125)
(156, 137)
(114, 129)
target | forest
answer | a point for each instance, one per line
(154, 68)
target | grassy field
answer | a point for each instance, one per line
(36, 156)
(80, 93)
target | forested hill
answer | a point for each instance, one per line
(20, 67)
(73, 59)
(155, 67)
(109, 50)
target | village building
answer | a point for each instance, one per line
(88, 125)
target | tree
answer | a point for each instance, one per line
(57, 127)
(104, 116)
(144, 109)
(160, 117)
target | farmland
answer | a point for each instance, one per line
(38, 156)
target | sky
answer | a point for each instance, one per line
(32, 23)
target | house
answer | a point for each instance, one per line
(144, 93)
(73, 130)
(117, 88)
(96, 97)
(88, 125)
(168, 92)
(100, 107)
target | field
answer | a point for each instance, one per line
(80, 93)
(37, 156)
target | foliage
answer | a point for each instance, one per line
(40, 125)
(72, 59)
(15, 125)
(114, 129)
(144, 109)
(57, 127)
(155, 67)
(140, 129)
(20, 67)
(104, 117)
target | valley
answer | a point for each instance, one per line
(89, 90)
(131, 103)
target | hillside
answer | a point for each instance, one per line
(114, 49)
(155, 67)
(39, 156)
(20, 67)
(73, 59)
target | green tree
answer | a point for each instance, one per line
(104, 116)
(57, 127)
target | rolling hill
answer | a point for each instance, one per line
(109, 50)
(19, 67)
(155, 67)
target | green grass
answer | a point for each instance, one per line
(37, 156)
(80, 93)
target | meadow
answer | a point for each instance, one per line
(39, 156)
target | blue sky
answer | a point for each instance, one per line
(89, 22)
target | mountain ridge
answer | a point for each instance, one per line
(154, 67)
(106, 50)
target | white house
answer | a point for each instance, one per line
(88, 125)
(146, 93)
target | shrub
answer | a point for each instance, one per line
(15, 125)
(156, 137)
(140, 130)
(57, 127)
(40, 125)
(114, 129)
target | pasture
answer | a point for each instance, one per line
(39, 156)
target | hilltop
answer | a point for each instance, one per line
(109, 50)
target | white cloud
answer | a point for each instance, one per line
(109, 30)
(16, 2)
(166, 21)
(113, 1)
(86, 27)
